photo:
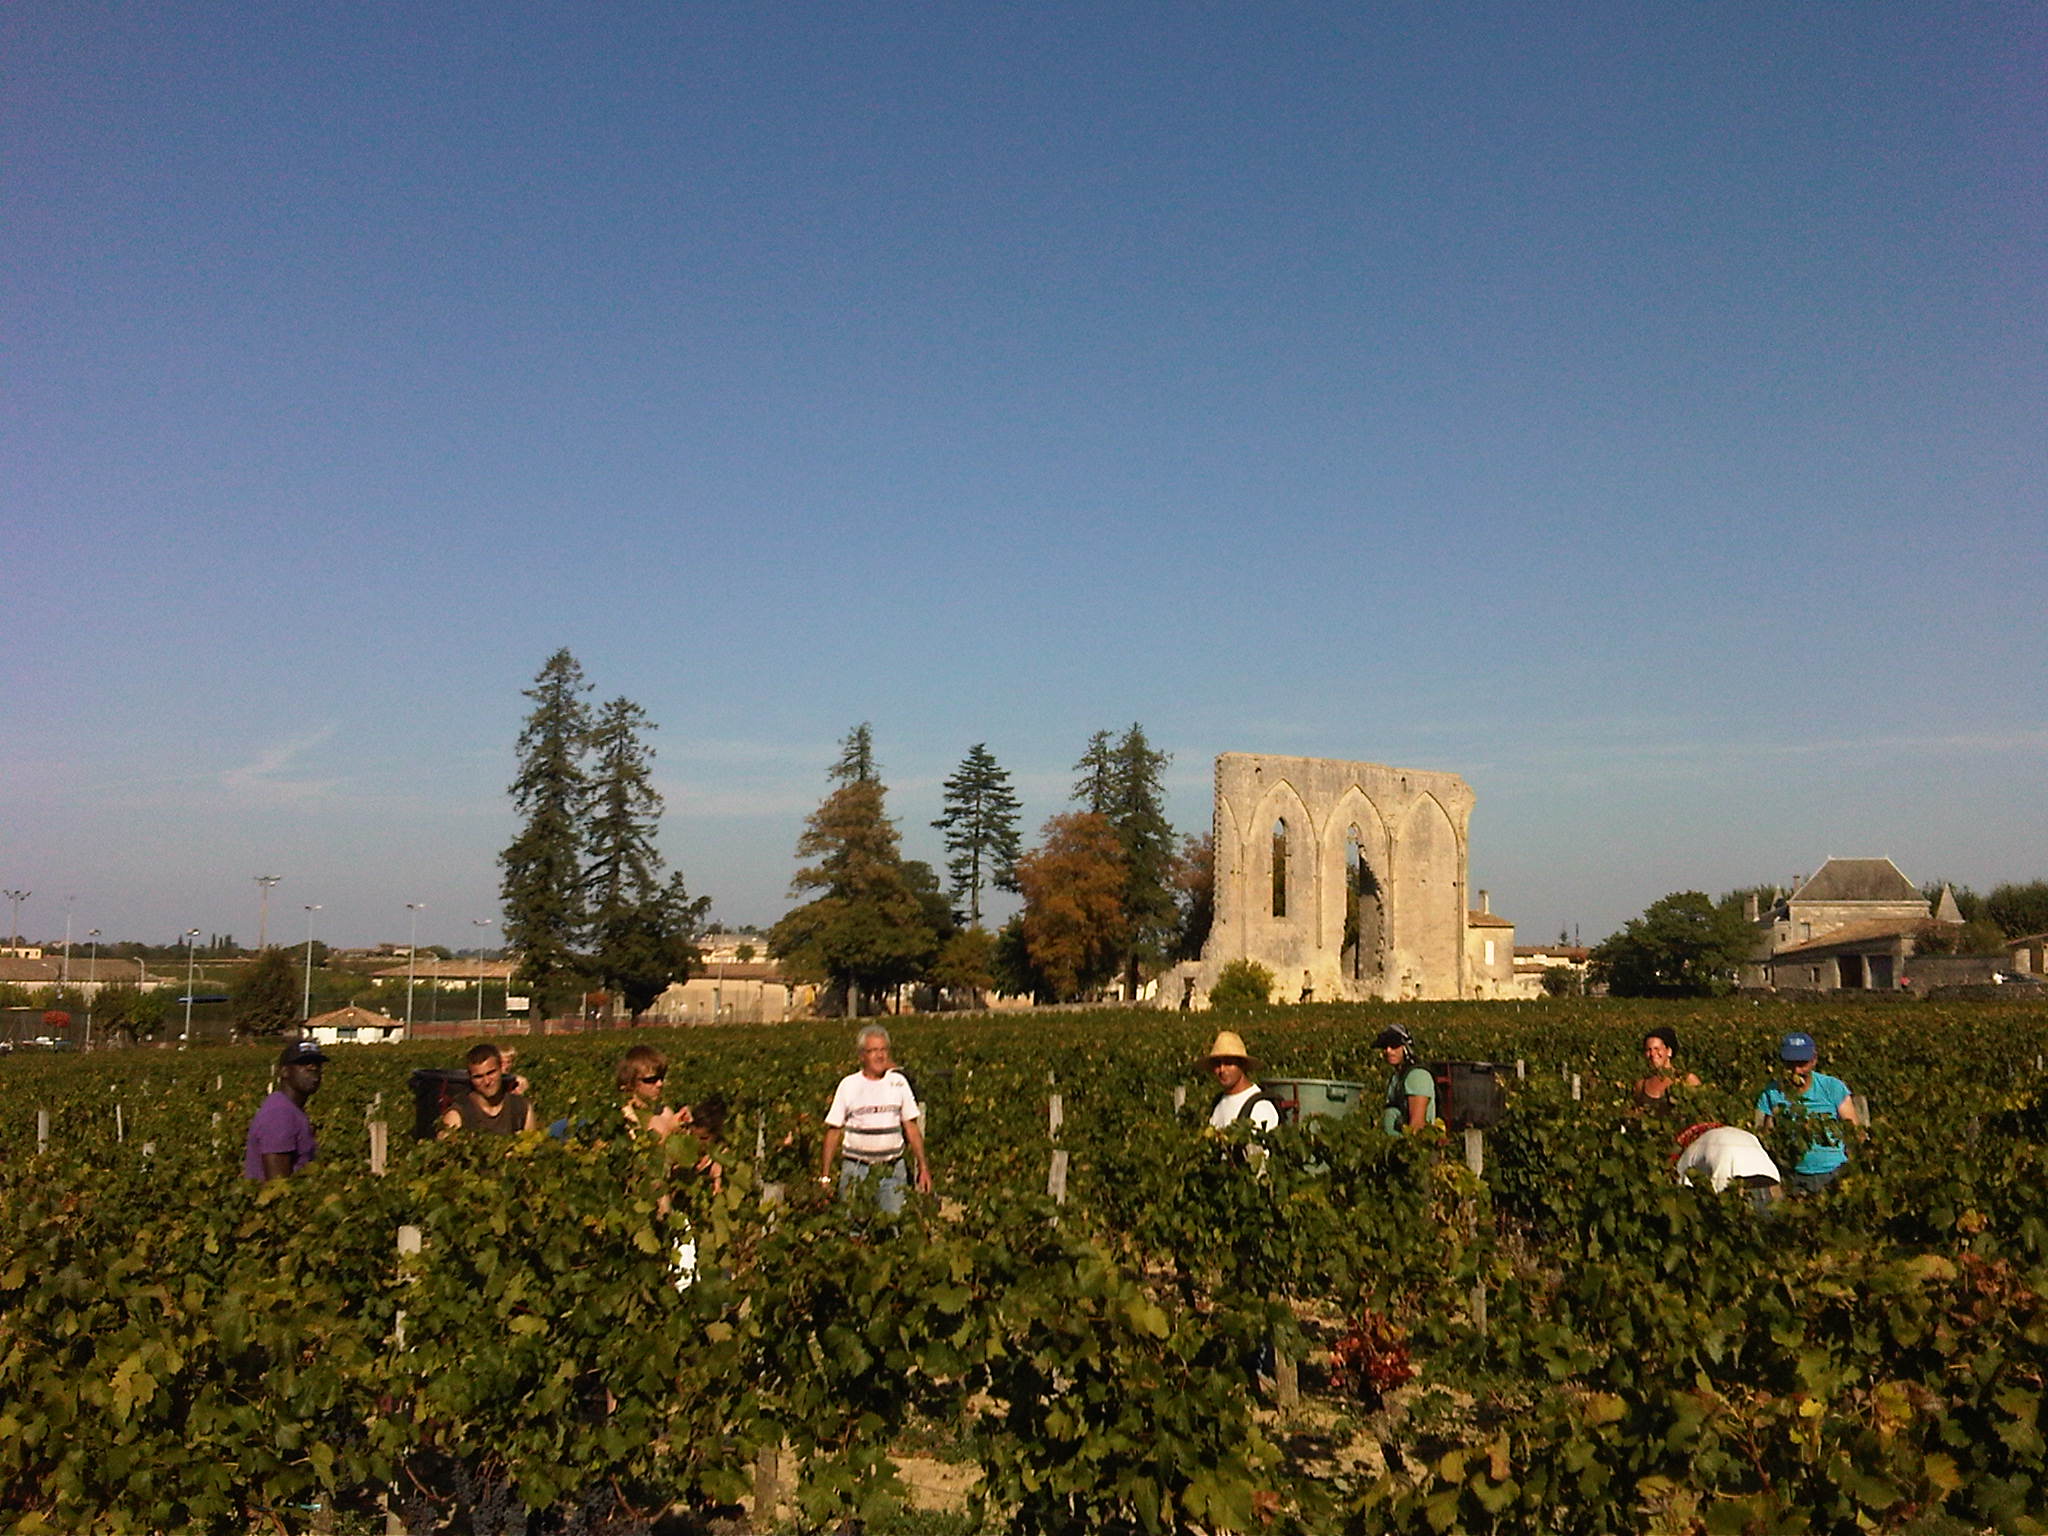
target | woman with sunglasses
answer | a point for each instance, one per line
(641, 1075)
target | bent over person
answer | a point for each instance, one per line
(280, 1140)
(874, 1119)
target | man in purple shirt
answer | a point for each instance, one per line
(280, 1136)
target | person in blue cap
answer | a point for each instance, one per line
(1822, 1098)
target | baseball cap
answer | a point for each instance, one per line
(299, 1052)
(1393, 1034)
(1797, 1046)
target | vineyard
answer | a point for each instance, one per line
(1351, 1332)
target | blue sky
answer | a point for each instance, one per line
(1638, 410)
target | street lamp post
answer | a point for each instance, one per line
(480, 922)
(14, 923)
(263, 911)
(190, 935)
(307, 1011)
(92, 984)
(412, 960)
(64, 974)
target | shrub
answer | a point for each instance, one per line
(1242, 984)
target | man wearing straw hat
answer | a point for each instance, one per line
(1241, 1098)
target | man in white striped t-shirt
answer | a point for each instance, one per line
(874, 1117)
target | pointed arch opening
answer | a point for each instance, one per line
(1280, 867)
(1364, 953)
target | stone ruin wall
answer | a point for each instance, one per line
(1410, 827)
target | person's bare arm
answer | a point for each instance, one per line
(277, 1165)
(833, 1136)
(1846, 1110)
(913, 1132)
(1418, 1111)
(452, 1120)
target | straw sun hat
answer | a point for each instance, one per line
(1229, 1047)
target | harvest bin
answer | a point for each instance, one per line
(1304, 1098)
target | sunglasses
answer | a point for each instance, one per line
(657, 1077)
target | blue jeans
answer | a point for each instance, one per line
(890, 1186)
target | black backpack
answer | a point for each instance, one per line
(434, 1092)
(1469, 1096)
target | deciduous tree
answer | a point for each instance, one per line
(1194, 894)
(543, 883)
(1074, 922)
(1684, 945)
(266, 996)
(980, 823)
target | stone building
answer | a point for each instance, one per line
(1346, 880)
(1853, 926)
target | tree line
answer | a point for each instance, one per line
(1106, 892)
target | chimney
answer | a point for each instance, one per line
(1749, 909)
(1485, 901)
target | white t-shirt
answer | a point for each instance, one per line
(1727, 1152)
(871, 1110)
(1231, 1105)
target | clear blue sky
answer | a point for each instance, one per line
(1640, 410)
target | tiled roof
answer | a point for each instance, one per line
(352, 1017)
(1858, 880)
(1487, 920)
(1850, 935)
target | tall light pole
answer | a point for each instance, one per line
(307, 1013)
(14, 924)
(190, 935)
(263, 911)
(480, 922)
(64, 973)
(92, 984)
(412, 960)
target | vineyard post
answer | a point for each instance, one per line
(120, 1125)
(1576, 1095)
(1056, 1177)
(1180, 1097)
(409, 1242)
(42, 1130)
(1475, 1151)
(1055, 1115)
(380, 1141)
(1521, 1070)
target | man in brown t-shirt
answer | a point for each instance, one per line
(493, 1103)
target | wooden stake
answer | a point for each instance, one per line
(1056, 1178)
(120, 1125)
(1575, 1088)
(1180, 1097)
(1475, 1150)
(1286, 1378)
(1055, 1115)
(380, 1142)
(1521, 1070)
(1479, 1309)
(42, 1129)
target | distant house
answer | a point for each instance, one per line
(1851, 927)
(1534, 962)
(355, 1026)
(1489, 951)
(454, 975)
(2028, 956)
(88, 974)
(734, 992)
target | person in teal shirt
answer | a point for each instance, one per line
(1822, 1098)
(1411, 1090)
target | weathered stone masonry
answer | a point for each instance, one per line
(1346, 880)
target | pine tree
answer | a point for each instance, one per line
(1097, 769)
(543, 883)
(868, 927)
(856, 763)
(980, 823)
(1123, 780)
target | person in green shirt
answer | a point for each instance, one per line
(1411, 1090)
